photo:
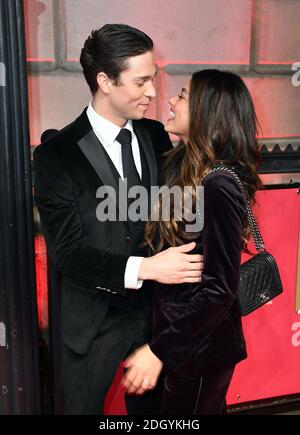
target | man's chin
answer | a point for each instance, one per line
(138, 115)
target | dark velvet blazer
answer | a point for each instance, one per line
(90, 255)
(197, 328)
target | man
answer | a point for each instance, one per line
(105, 309)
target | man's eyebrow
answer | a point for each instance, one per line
(146, 77)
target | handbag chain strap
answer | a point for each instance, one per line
(256, 234)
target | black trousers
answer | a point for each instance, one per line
(204, 396)
(87, 378)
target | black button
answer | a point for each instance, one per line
(128, 239)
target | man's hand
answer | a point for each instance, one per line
(173, 266)
(143, 371)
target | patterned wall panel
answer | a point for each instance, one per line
(53, 102)
(184, 31)
(40, 25)
(188, 35)
(277, 103)
(278, 34)
(276, 100)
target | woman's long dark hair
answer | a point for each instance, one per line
(223, 128)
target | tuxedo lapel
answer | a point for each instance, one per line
(95, 153)
(93, 150)
(145, 143)
(98, 158)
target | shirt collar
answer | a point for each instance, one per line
(107, 130)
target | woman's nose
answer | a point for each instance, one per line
(172, 101)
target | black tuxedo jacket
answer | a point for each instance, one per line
(90, 255)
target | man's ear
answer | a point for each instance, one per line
(104, 82)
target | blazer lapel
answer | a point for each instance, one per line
(96, 155)
(145, 142)
(99, 160)
(93, 150)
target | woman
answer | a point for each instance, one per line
(198, 336)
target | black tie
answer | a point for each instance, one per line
(129, 169)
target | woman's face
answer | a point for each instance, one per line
(179, 119)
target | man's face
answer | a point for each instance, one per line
(131, 96)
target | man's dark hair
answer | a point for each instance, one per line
(108, 49)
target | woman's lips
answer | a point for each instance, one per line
(171, 115)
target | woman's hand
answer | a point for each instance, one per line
(143, 370)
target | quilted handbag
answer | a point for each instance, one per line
(259, 276)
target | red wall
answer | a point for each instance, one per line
(273, 332)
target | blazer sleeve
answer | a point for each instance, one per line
(224, 209)
(63, 229)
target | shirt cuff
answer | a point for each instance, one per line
(131, 280)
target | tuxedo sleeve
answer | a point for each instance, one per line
(190, 331)
(64, 232)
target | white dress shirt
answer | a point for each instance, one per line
(107, 132)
